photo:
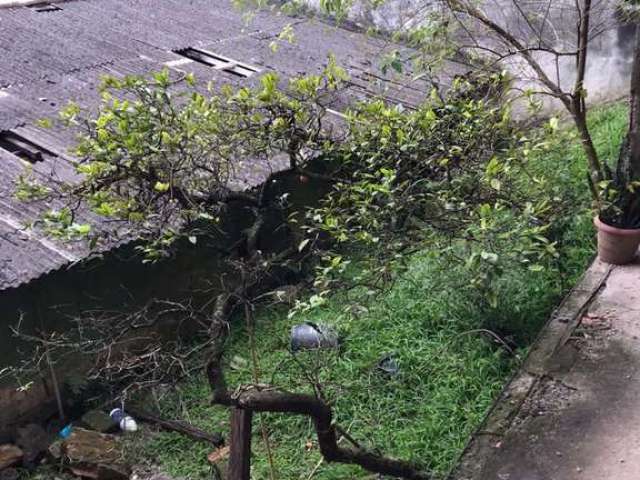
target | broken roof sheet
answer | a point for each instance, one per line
(49, 58)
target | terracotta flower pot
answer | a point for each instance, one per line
(616, 245)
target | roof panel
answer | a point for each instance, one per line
(47, 60)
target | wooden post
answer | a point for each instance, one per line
(240, 443)
(54, 378)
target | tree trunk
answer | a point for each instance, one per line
(634, 111)
(578, 105)
(240, 443)
(595, 166)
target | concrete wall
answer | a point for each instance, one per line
(118, 281)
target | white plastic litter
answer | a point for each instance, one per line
(128, 424)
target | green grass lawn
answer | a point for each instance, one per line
(449, 374)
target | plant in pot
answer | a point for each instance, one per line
(618, 195)
(618, 221)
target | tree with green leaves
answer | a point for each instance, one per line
(159, 159)
(545, 46)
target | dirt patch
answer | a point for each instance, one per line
(550, 397)
(593, 335)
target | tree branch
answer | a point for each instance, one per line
(265, 399)
(184, 428)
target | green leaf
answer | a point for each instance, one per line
(161, 187)
(83, 229)
(166, 137)
(44, 123)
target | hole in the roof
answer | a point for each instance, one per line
(218, 62)
(44, 7)
(23, 148)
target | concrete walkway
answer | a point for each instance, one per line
(573, 410)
